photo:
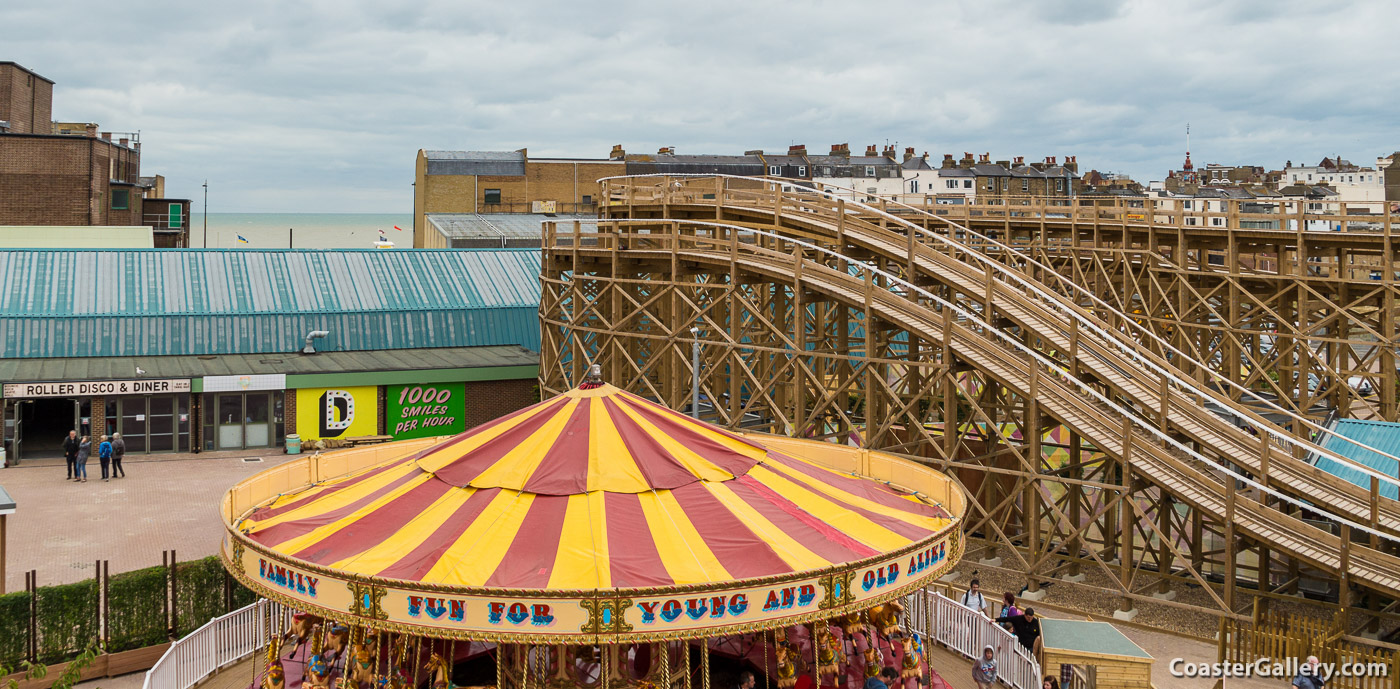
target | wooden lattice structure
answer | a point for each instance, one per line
(1088, 445)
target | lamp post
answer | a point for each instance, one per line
(206, 214)
(695, 373)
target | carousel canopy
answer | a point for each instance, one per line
(594, 489)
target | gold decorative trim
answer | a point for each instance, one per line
(366, 600)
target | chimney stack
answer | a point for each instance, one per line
(123, 141)
(841, 150)
(797, 150)
(1019, 161)
(1072, 164)
(1050, 161)
(909, 153)
(106, 136)
(1004, 163)
(871, 151)
(966, 161)
(666, 151)
(985, 158)
(617, 153)
(948, 161)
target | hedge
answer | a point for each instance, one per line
(67, 614)
(136, 609)
(67, 620)
(14, 628)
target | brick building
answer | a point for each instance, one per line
(70, 174)
(485, 183)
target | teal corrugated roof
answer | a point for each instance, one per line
(1380, 435)
(71, 303)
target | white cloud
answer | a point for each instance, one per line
(322, 105)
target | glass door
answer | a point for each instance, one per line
(160, 424)
(257, 432)
(133, 424)
(229, 420)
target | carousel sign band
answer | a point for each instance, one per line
(516, 613)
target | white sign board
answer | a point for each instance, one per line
(96, 387)
(266, 381)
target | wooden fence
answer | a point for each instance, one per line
(1360, 663)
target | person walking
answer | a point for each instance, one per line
(104, 455)
(1008, 608)
(1025, 626)
(70, 453)
(118, 451)
(984, 670)
(80, 462)
(973, 598)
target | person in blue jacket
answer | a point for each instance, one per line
(104, 455)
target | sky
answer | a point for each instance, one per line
(321, 106)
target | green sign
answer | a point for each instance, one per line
(423, 411)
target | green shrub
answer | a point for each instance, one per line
(67, 620)
(14, 628)
(136, 609)
(199, 593)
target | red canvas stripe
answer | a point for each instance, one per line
(281, 533)
(417, 563)
(373, 528)
(685, 432)
(741, 551)
(661, 470)
(462, 470)
(874, 491)
(632, 556)
(821, 538)
(639, 402)
(903, 528)
(564, 469)
(529, 560)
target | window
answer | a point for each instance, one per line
(1059, 185)
(1309, 176)
(775, 170)
(801, 170)
(1025, 185)
(121, 199)
(587, 199)
(967, 184)
(914, 186)
(492, 196)
(952, 184)
(826, 172)
(869, 170)
(991, 183)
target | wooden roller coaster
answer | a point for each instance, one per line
(980, 345)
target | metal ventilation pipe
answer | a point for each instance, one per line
(308, 349)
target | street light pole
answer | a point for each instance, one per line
(206, 214)
(695, 373)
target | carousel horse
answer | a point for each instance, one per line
(302, 626)
(874, 661)
(276, 677)
(827, 648)
(336, 641)
(787, 665)
(913, 654)
(441, 671)
(850, 624)
(885, 617)
(360, 670)
(318, 673)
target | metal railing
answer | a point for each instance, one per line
(222, 641)
(966, 631)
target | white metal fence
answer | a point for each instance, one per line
(966, 631)
(219, 643)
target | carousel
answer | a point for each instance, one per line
(596, 539)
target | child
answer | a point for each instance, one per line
(984, 671)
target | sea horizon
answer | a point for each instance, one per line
(299, 230)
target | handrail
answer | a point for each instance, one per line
(967, 632)
(1013, 344)
(218, 643)
(1113, 336)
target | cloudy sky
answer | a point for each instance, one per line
(321, 106)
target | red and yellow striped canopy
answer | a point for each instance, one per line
(594, 489)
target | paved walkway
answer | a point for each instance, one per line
(165, 502)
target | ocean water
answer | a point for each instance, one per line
(300, 230)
